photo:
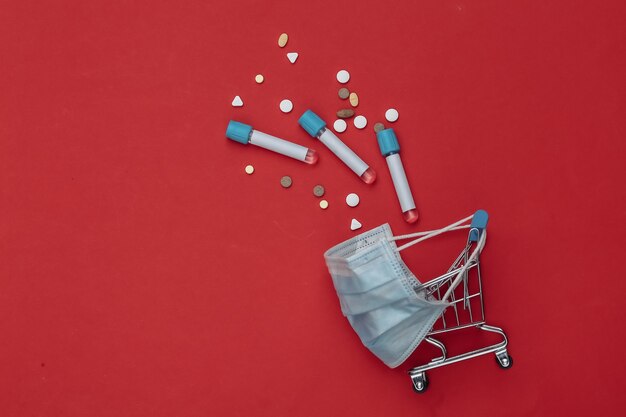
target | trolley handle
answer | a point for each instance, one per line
(479, 224)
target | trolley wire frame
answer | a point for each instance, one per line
(446, 284)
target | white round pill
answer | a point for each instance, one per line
(340, 125)
(391, 115)
(343, 76)
(352, 200)
(286, 106)
(360, 122)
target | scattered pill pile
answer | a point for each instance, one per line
(347, 111)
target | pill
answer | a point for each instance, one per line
(344, 93)
(286, 106)
(355, 224)
(318, 191)
(286, 181)
(360, 122)
(249, 169)
(391, 115)
(343, 76)
(345, 113)
(352, 200)
(378, 127)
(340, 125)
(323, 204)
(237, 102)
(282, 40)
(292, 56)
(354, 99)
(259, 78)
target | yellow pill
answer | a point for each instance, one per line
(282, 40)
(354, 99)
(249, 169)
(323, 204)
(259, 78)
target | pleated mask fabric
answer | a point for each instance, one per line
(376, 294)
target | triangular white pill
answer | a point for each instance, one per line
(237, 102)
(355, 224)
(292, 56)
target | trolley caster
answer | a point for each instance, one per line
(420, 382)
(504, 360)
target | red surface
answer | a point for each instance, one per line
(142, 273)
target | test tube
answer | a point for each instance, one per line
(316, 127)
(243, 133)
(390, 148)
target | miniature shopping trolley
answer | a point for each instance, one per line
(393, 312)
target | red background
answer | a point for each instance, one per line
(143, 273)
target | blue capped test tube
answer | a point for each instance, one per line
(316, 127)
(243, 133)
(390, 148)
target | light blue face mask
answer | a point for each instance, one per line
(376, 294)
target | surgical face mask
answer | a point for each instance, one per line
(376, 293)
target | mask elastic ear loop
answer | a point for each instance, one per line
(431, 233)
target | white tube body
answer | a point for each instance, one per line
(342, 151)
(281, 146)
(400, 182)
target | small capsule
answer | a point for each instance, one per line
(345, 113)
(344, 93)
(286, 181)
(282, 40)
(354, 99)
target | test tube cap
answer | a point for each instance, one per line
(388, 142)
(311, 122)
(239, 132)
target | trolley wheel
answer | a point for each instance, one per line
(420, 382)
(504, 361)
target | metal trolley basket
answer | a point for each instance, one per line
(459, 287)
